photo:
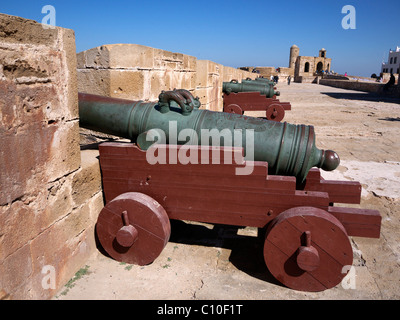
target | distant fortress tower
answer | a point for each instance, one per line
(307, 68)
(302, 68)
(294, 53)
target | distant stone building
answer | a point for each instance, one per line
(301, 68)
(306, 68)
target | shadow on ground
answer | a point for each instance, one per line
(390, 119)
(246, 251)
(366, 96)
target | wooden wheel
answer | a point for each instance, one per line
(275, 112)
(133, 228)
(307, 248)
(234, 108)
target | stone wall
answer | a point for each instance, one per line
(50, 191)
(136, 72)
(307, 79)
(267, 72)
(360, 86)
(284, 73)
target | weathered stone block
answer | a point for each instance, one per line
(58, 203)
(128, 56)
(203, 94)
(22, 31)
(245, 74)
(168, 60)
(209, 97)
(33, 213)
(18, 227)
(189, 63)
(76, 234)
(127, 84)
(87, 180)
(95, 58)
(65, 138)
(117, 56)
(68, 62)
(136, 72)
(24, 153)
(39, 151)
(38, 98)
(159, 80)
(94, 81)
(15, 269)
(230, 73)
(208, 73)
(72, 241)
(21, 71)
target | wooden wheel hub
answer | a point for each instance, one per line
(307, 256)
(275, 112)
(133, 228)
(128, 234)
(234, 108)
(307, 249)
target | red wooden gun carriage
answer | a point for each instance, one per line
(307, 243)
(254, 101)
(254, 95)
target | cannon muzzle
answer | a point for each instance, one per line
(289, 149)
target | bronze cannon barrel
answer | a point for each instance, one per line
(289, 149)
(264, 87)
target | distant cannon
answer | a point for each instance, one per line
(250, 86)
(271, 83)
(254, 95)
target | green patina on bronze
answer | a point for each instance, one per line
(265, 87)
(289, 149)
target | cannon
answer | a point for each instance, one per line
(271, 83)
(250, 86)
(252, 99)
(306, 244)
(261, 80)
(289, 149)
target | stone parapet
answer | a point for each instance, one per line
(374, 87)
(50, 192)
(136, 72)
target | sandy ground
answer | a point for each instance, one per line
(216, 262)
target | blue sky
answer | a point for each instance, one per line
(234, 33)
